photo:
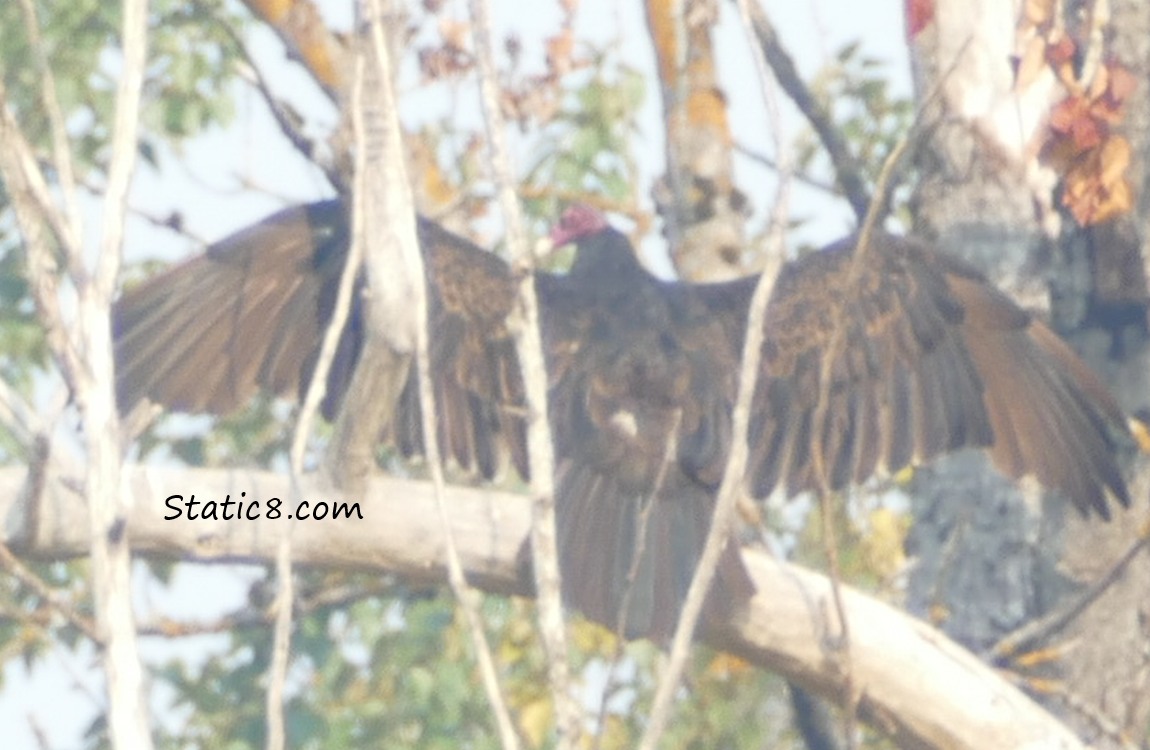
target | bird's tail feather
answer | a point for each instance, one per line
(627, 561)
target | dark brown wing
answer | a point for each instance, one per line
(249, 314)
(478, 385)
(206, 335)
(932, 358)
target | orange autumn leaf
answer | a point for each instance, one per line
(1032, 62)
(1099, 84)
(559, 49)
(1096, 188)
(1060, 56)
(1060, 51)
(1074, 119)
(456, 34)
(1116, 201)
(1114, 159)
(726, 666)
(1121, 85)
(1109, 91)
(1038, 12)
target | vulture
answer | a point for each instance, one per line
(929, 357)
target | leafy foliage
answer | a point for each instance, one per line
(186, 91)
(586, 150)
(192, 56)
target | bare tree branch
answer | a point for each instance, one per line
(1038, 630)
(62, 160)
(921, 688)
(300, 26)
(846, 166)
(316, 390)
(385, 165)
(107, 504)
(768, 163)
(42, 228)
(21, 572)
(19, 416)
(529, 347)
(704, 213)
(26, 184)
(254, 617)
(284, 115)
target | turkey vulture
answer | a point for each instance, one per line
(642, 376)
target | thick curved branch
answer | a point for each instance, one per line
(302, 29)
(916, 684)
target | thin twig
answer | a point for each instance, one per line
(40, 226)
(281, 631)
(842, 643)
(62, 160)
(309, 408)
(529, 347)
(825, 491)
(768, 163)
(735, 470)
(25, 181)
(670, 450)
(50, 597)
(379, 165)
(876, 208)
(285, 117)
(1052, 622)
(253, 617)
(19, 416)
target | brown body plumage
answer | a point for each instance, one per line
(642, 381)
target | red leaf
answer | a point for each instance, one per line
(1060, 51)
(1122, 84)
(918, 14)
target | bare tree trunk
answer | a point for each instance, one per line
(703, 212)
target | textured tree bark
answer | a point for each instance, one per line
(301, 27)
(992, 557)
(702, 210)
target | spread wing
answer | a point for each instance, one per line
(931, 358)
(642, 380)
(249, 314)
(479, 396)
(206, 335)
